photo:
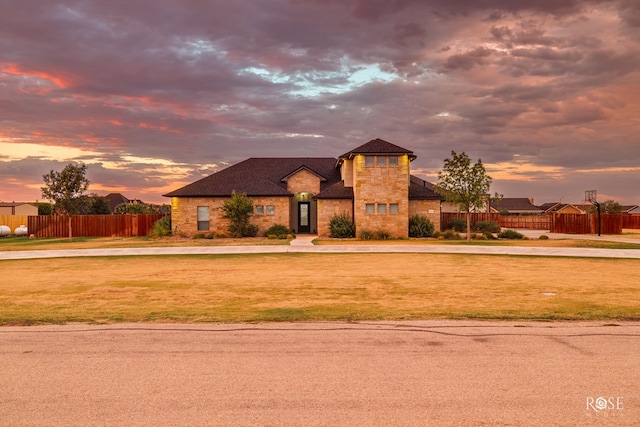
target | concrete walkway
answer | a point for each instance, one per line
(304, 244)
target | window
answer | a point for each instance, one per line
(393, 161)
(382, 208)
(271, 210)
(393, 208)
(259, 210)
(203, 218)
(381, 161)
(370, 208)
(368, 160)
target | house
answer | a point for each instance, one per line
(516, 206)
(14, 208)
(372, 184)
(563, 208)
(631, 209)
(116, 199)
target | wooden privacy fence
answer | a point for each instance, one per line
(92, 225)
(556, 223)
(530, 222)
(586, 223)
(631, 221)
(13, 221)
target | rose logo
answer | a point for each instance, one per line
(601, 403)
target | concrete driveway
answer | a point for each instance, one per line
(438, 373)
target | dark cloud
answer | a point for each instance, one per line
(154, 94)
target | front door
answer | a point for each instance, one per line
(304, 218)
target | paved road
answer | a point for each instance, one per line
(330, 374)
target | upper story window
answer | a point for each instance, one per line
(368, 160)
(393, 161)
(381, 161)
(259, 209)
(271, 210)
(382, 208)
(370, 208)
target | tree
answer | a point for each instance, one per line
(98, 205)
(66, 189)
(133, 208)
(238, 210)
(464, 184)
(609, 206)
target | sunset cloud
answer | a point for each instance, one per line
(154, 94)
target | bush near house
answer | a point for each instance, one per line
(161, 228)
(448, 235)
(238, 210)
(458, 224)
(510, 234)
(279, 230)
(341, 226)
(486, 227)
(420, 226)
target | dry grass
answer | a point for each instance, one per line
(316, 287)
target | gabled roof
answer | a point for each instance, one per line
(115, 199)
(550, 206)
(260, 177)
(557, 207)
(378, 146)
(515, 205)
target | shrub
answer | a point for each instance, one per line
(238, 210)
(161, 228)
(366, 234)
(543, 237)
(341, 226)
(420, 226)
(489, 235)
(279, 229)
(458, 224)
(486, 226)
(450, 235)
(199, 235)
(381, 235)
(510, 234)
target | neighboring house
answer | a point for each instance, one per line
(633, 209)
(116, 199)
(372, 184)
(563, 208)
(516, 206)
(18, 209)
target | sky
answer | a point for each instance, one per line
(154, 94)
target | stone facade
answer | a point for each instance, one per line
(303, 181)
(327, 209)
(428, 208)
(381, 194)
(184, 214)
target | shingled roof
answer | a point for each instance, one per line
(260, 177)
(378, 146)
(419, 189)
